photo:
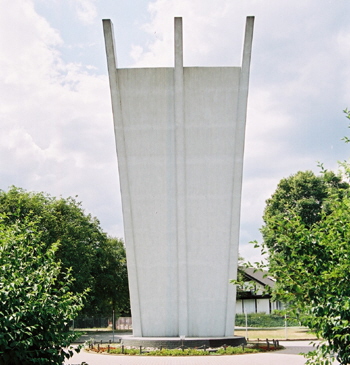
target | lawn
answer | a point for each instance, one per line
(291, 333)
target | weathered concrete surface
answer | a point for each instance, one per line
(180, 137)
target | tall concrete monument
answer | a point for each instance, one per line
(180, 139)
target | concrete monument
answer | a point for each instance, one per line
(180, 139)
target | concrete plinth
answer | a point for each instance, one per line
(175, 342)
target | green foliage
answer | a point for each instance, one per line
(177, 352)
(96, 262)
(303, 194)
(229, 350)
(307, 236)
(111, 278)
(119, 351)
(265, 320)
(36, 303)
(163, 352)
(347, 114)
(236, 350)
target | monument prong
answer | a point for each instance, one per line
(245, 70)
(178, 42)
(119, 133)
(239, 137)
(180, 153)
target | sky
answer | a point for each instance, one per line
(55, 111)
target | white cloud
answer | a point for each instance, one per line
(86, 10)
(57, 133)
(299, 81)
(136, 52)
(200, 31)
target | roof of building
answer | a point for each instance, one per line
(260, 276)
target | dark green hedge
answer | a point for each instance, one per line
(265, 320)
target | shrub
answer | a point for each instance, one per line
(235, 350)
(265, 320)
(35, 306)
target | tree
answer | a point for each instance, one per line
(111, 284)
(36, 303)
(312, 274)
(307, 237)
(304, 194)
(82, 243)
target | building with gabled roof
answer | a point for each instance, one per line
(252, 296)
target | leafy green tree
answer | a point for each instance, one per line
(36, 303)
(307, 237)
(83, 245)
(111, 291)
(312, 275)
(304, 194)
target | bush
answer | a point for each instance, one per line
(35, 306)
(97, 262)
(236, 350)
(177, 352)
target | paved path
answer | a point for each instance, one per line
(288, 356)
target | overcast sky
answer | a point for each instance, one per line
(56, 119)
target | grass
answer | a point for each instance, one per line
(292, 333)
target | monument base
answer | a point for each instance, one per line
(175, 342)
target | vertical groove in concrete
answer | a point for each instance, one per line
(238, 167)
(123, 176)
(180, 152)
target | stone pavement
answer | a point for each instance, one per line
(288, 356)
